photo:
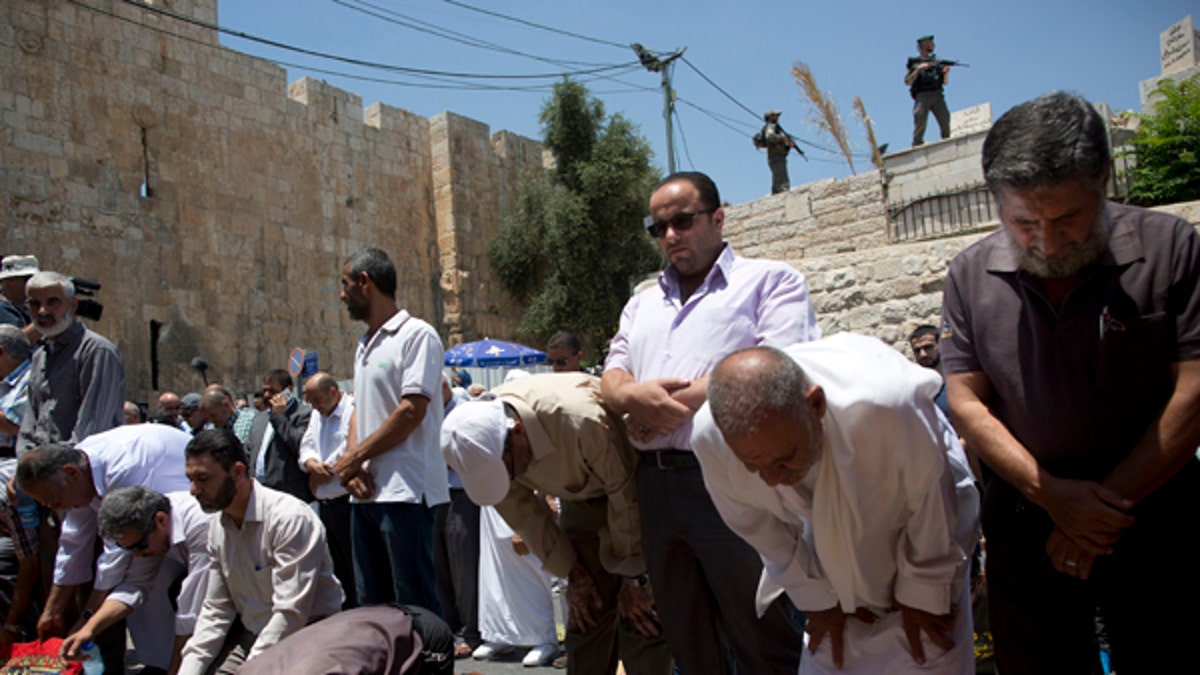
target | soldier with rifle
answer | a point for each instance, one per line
(925, 79)
(778, 143)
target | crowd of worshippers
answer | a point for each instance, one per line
(735, 493)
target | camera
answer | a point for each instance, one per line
(85, 291)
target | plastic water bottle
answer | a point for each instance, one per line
(93, 664)
(27, 509)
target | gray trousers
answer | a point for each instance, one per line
(925, 102)
(705, 580)
(779, 173)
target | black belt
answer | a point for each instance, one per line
(670, 459)
(336, 500)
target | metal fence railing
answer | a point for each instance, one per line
(940, 214)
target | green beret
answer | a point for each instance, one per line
(924, 38)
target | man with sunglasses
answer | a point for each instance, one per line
(708, 303)
(168, 537)
(76, 479)
(551, 434)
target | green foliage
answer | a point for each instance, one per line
(1167, 147)
(575, 244)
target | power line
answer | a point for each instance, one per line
(683, 139)
(345, 59)
(394, 17)
(539, 26)
(718, 88)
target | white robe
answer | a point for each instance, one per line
(515, 607)
(888, 513)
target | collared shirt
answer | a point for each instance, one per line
(189, 548)
(580, 451)
(404, 357)
(325, 440)
(243, 422)
(888, 512)
(741, 303)
(1078, 385)
(149, 455)
(274, 572)
(76, 389)
(13, 400)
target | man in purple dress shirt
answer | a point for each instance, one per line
(707, 304)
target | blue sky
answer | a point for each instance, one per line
(1017, 50)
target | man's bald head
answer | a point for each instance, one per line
(322, 393)
(216, 402)
(768, 412)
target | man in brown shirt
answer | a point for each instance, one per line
(551, 434)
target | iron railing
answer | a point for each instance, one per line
(941, 214)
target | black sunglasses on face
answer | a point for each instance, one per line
(682, 222)
(558, 362)
(140, 544)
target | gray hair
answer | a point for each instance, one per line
(45, 463)
(130, 508)
(1051, 140)
(378, 266)
(14, 342)
(47, 279)
(752, 384)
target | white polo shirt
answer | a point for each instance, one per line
(404, 357)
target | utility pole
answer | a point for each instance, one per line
(654, 64)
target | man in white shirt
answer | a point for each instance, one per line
(323, 443)
(76, 479)
(833, 462)
(394, 441)
(270, 572)
(168, 534)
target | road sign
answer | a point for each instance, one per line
(296, 362)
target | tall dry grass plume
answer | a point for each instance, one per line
(827, 117)
(876, 157)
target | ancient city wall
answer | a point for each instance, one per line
(216, 203)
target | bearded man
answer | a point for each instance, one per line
(1071, 348)
(76, 378)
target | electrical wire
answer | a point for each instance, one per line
(683, 139)
(394, 17)
(538, 26)
(349, 60)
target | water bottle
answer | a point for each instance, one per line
(93, 663)
(27, 509)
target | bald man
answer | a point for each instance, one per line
(833, 462)
(323, 442)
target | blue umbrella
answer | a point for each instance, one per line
(493, 354)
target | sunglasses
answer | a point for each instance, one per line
(559, 362)
(140, 544)
(682, 222)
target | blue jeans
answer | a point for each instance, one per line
(393, 554)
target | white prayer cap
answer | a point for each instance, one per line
(473, 444)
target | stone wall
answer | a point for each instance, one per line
(216, 203)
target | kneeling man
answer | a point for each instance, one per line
(832, 461)
(270, 572)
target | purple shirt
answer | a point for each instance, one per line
(742, 303)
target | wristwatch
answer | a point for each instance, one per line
(641, 581)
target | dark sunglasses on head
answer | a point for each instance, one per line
(682, 222)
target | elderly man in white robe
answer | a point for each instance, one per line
(833, 462)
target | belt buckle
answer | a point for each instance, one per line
(658, 460)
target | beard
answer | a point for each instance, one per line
(1070, 259)
(59, 326)
(222, 499)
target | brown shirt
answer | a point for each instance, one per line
(1078, 384)
(580, 451)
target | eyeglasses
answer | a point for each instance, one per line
(140, 544)
(559, 362)
(682, 222)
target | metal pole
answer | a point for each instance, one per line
(666, 86)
